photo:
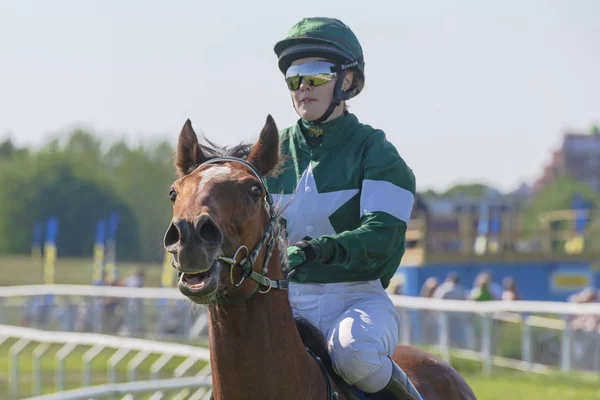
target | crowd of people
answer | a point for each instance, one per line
(130, 317)
(108, 314)
(465, 329)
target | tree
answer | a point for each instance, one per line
(76, 180)
(35, 189)
(8, 150)
(429, 194)
(142, 177)
(556, 196)
(469, 190)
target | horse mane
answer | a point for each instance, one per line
(210, 150)
(242, 150)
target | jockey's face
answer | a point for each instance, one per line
(311, 102)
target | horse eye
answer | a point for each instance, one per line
(172, 195)
(254, 192)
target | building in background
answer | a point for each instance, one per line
(578, 157)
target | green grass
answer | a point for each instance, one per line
(506, 384)
(503, 384)
(519, 386)
(74, 369)
(24, 271)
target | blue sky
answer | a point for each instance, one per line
(466, 90)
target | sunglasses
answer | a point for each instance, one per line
(315, 73)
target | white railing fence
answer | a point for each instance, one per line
(151, 313)
(83, 349)
(525, 335)
(128, 389)
(530, 336)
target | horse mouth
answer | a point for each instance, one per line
(201, 286)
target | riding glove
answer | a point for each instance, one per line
(301, 253)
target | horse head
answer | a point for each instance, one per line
(222, 231)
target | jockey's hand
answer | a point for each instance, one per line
(296, 257)
(299, 254)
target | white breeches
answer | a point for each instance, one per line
(360, 324)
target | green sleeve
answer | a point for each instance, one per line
(387, 197)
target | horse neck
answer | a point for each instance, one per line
(256, 350)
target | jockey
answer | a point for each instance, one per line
(347, 197)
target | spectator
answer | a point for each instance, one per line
(135, 307)
(587, 323)
(484, 286)
(586, 331)
(510, 289)
(481, 289)
(450, 289)
(398, 290)
(136, 279)
(428, 323)
(396, 285)
(429, 287)
(458, 322)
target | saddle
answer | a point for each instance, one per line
(314, 343)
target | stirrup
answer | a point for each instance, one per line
(399, 387)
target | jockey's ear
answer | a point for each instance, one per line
(189, 152)
(265, 153)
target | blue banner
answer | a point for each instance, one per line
(113, 227)
(52, 230)
(50, 254)
(576, 243)
(98, 267)
(483, 226)
(495, 231)
(111, 243)
(581, 207)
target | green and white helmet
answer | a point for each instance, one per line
(329, 38)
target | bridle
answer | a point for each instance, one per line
(246, 264)
(267, 239)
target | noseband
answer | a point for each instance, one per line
(248, 261)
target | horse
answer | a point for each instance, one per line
(229, 249)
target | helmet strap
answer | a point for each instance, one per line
(338, 97)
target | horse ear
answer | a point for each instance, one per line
(189, 152)
(265, 153)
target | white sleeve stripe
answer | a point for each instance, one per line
(387, 197)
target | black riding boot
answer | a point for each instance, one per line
(399, 387)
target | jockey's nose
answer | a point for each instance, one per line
(181, 233)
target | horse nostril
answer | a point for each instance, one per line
(178, 231)
(171, 236)
(209, 232)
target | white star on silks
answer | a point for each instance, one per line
(307, 211)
